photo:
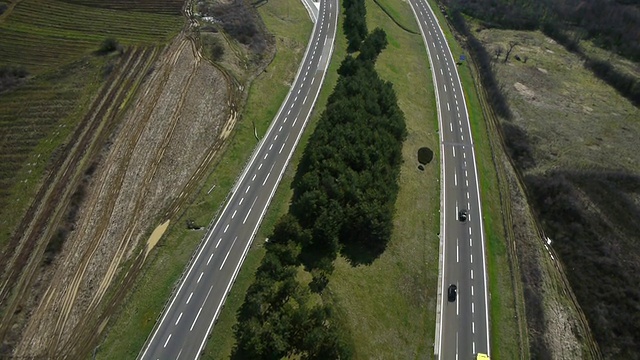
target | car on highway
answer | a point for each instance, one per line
(462, 215)
(453, 291)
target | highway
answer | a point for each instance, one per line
(462, 326)
(189, 316)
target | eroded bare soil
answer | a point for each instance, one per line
(167, 135)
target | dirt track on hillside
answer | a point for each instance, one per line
(158, 152)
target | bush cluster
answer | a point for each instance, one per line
(10, 76)
(239, 21)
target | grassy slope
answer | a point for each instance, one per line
(504, 328)
(289, 22)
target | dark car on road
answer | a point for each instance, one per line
(453, 291)
(462, 215)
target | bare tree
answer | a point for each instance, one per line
(497, 51)
(512, 44)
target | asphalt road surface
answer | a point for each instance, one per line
(187, 320)
(462, 328)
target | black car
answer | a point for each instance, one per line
(462, 215)
(453, 291)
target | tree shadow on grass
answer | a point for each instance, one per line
(361, 254)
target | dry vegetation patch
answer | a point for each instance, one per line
(574, 138)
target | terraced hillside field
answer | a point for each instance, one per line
(54, 124)
(55, 42)
(41, 34)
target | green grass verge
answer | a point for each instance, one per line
(388, 307)
(504, 326)
(288, 21)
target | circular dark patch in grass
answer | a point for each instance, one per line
(425, 155)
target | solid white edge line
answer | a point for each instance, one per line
(443, 216)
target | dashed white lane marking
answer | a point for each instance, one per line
(219, 240)
(455, 178)
(461, 130)
(289, 112)
(189, 298)
(457, 107)
(451, 126)
(445, 89)
(453, 149)
(457, 250)
(166, 342)
(283, 144)
(177, 321)
(198, 314)
(254, 177)
(461, 136)
(466, 174)
(438, 57)
(249, 212)
(299, 92)
(249, 187)
(458, 114)
(228, 252)
(200, 277)
(472, 258)
(265, 156)
(464, 155)
(473, 327)
(441, 73)
(226, 228)
(467, 192)
(471, 290)
(305, 99)
(259, 167)
(473, 347)
(448, 107)
(295, 99)
(210, 256)
(294, 121)
(270, 146)
(469, 231)
(471, 274)
(470, 242)
(454, 95)
(473, 308)
(467, 183)
(234, 214)
(268, 174)
(241, 200)
(313, 79)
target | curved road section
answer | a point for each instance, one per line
(462, 328)
(188, 318)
